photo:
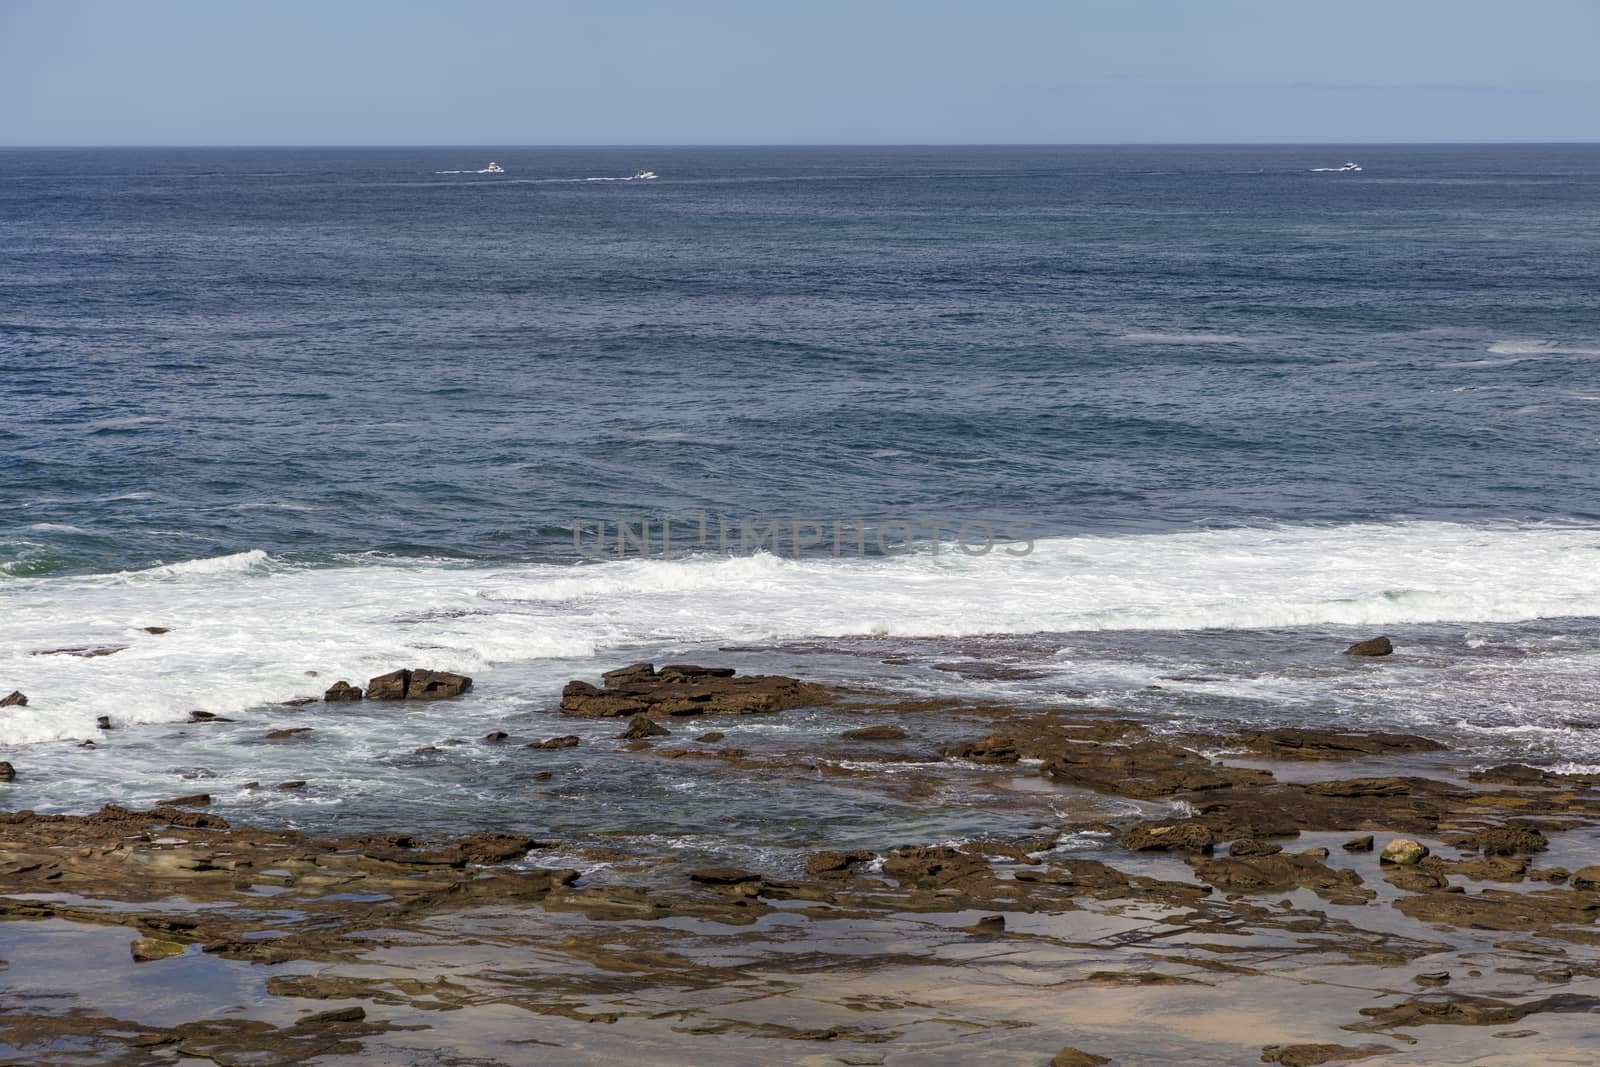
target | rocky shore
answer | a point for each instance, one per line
(1278, 896)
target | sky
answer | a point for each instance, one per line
(525, 72)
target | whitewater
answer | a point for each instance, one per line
(244, 630)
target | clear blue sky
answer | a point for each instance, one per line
(490, 72)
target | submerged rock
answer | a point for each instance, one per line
(1313, 1054)
(1302, 744)
(145, 949)
(1377, 646)
(875, 733)
(1075, 1057)
(193, 800)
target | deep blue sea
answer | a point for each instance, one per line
(339, 410)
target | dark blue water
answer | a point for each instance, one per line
(316, 352)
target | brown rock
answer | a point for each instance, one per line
(1377, 646)
(1247, 846)
(1145, 769)
(145, 949)
(1159, 837)
(1403, 851)
(193, 800)
(206, 716)
(711, 738)
(496, 735)
(436, 685)
(835, 864)
(991, 749)
(641, 726)
(342, 692)
(569, 741)
(688, 690)
(15, 700)
(1311, 1055)
(337, 1015)
(1364, 843)
(633, 672)
(157, 630)
(283, 735)
(1075, 1057)
(723, 876)
(103, 722)
(8, 773)
(1509, 840)
(292, 785)
(391, 686)
(874, 733)
(1586, 878)
(1299, 744)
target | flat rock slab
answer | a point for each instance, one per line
(683, 689)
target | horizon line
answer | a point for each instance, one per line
(816, 144)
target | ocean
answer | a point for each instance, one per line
(1210, 413)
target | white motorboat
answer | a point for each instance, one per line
(1348, 168)
(644, 176)
(495, 168)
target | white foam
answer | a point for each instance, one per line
(245, 628)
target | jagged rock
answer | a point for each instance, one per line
(1461, 1010)
(1272, 874)
(569, 741)
(688, 690)
(8, 773)
(297, 702)
(436, 685)
(932, 865)
(206, 716)
(641, 726)
(874, 733)
(496, 735)
(835, 864)
(1509, 840)
(633, 672)
(1364, 843)
(417, 684)
(1311, 1055)
(157, 630)
(102, 722)
(1185, 836)
(391, 686)
(15, 700)
(1247, 846)
(193, 800)
(1403, 851)
(145, 949)
(1377, 646)
(342, 692)
(991, 749)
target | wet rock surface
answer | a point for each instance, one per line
(1212, 888)
(682, 689)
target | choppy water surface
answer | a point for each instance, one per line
(336, 412)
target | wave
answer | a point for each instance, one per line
(245, 629)
(1185, 338)
(1541, 349)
